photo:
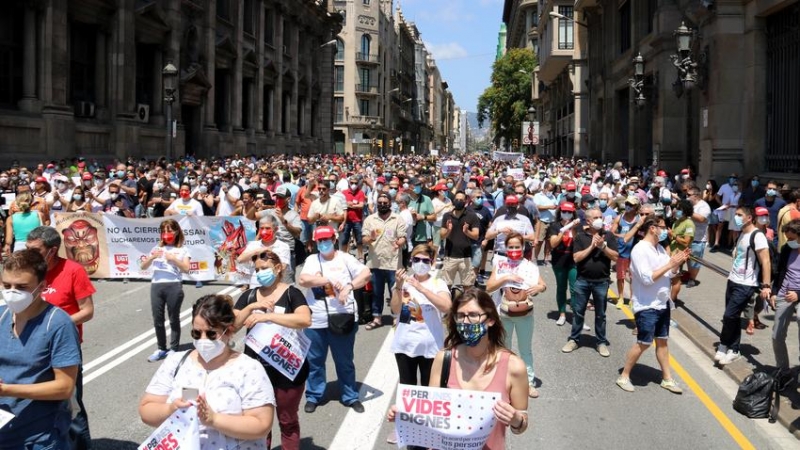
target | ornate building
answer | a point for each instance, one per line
(84, 77)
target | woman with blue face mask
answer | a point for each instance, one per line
(283, 304)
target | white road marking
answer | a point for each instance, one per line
(148, 334)
(377, 393)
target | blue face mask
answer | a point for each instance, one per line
(731, 181)
(266, 277)
(471, 333)
(417, 190)
(449, 185)
(772, 192)
(477, 202)
(603, 204)
(754, 183)
(678, 214)
(392, 192)
(663, 235)
(739, 221)
(325, 247)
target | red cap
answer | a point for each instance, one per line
(87, 176)
(567, 206)
(41, 180)
(585, 190)
(512, 200)
(51, 166)
(570, 186)
(761, 211)
(440, 187)
(661, 173)
(684, 171)
(324, 232)
(381, 180)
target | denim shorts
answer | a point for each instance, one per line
(698, 249)
(652, 323)
(353, 228)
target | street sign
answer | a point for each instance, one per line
(530, 133)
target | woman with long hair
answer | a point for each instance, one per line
(169, 261)
(480, 361)
(77, 202)
(710, 197)
(282, 304)
(21, 223)
(519, 281)
(236, 404)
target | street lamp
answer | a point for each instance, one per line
(169, 75)
(687, 68)
(637, 82)
(531, 118)
(556, 15)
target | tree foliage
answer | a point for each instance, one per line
(505, 103)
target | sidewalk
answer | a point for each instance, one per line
(700, 318)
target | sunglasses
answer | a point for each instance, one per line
(210, 334)
(420, 260)
(261, 256)
(384, 204)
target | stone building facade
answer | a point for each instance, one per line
(83, 77)
(741, 116)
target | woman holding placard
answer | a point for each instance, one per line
(169, 261)
(519, 281)
(282, 304)
(234, 398)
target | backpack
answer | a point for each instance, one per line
(759, 395)
(773, 255)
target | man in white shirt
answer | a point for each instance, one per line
(651, 270)
(726, 195)
(185, 205)
(700, 216)
(743, 283)
(326, 209)
(229, 195)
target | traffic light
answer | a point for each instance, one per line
(391, 143)
(380, 144)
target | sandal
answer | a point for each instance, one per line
(372, 325)
(759, 325)
(749, 329)
(533, 392)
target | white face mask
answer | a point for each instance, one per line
(208, 349)
(763, 220)
(421, 268)
(597, 224)
(17, 300)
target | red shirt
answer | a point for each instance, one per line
(354, 215)
(67, 283)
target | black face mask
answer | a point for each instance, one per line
(511, 210)
(383, 209)
(459, 205)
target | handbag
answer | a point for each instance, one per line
(445, 368)
(338, 323)
(516, 308)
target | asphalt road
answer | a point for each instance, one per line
(580, 406)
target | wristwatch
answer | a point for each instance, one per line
(766, 286)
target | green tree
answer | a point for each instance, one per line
(505, 103)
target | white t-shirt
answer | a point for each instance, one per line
(445, 206)
(225, 207)
(424, 334)
(700, 228)
(405, 215)
(519, 223)
(165, 271)
(280, 248)
(332, 206)
(186, 207)
(739, 273)
(524, 268)
(343, 268)
(727, 195)
(648, 293)
(239, 385)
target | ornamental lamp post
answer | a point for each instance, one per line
(687, 68)
(531, 118)
(169, 75)
(637, 82)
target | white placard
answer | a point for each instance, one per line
(283, 348)
(517, 174)
(5, 417)
(181, 431)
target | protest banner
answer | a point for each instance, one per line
(283, 348)
(516, 174)
(452, 167)
(507, 156)
(110, 246)
(181, 431)
(444, 419)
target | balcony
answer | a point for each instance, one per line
(365, 89)
(555, 51)
(366, 58)
(366, 120)
(338, 86)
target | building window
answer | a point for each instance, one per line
(287, 108)
(314, 118)
(267, 105)
(652, 7)
(82, 62)
(365, 78)
(366, 42)
(566, 36)
(221, 112)
(338, 108)
(625, 27)
(287, 37)
(11, 49)
(223, 9)
(365, 2)
(339, 50)
(364, 107)
(269, 27)
(338, 78)
(249, 17)
(344, 17)
(247, 92)
(301, 115)
(145, 70)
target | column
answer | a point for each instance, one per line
(29, 102)
(100, 69)
(210, 24)
(258, 104)
(237, 90)
(156, 108)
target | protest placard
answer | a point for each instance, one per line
(283, 348)
(5, 417)
(452, 167)
(444, 419)
(181, 431)
(516, 174)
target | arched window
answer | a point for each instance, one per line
(339, 50)
(366, 42)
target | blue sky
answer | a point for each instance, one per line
(462, 35)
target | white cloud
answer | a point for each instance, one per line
(447, 50)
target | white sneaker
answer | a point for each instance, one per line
(730, 357)
(561, 321)
(586, 327)
(718, 356)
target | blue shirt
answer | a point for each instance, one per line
(48, 341)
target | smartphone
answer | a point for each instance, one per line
(190, 394)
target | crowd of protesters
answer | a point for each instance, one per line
(409, 236)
